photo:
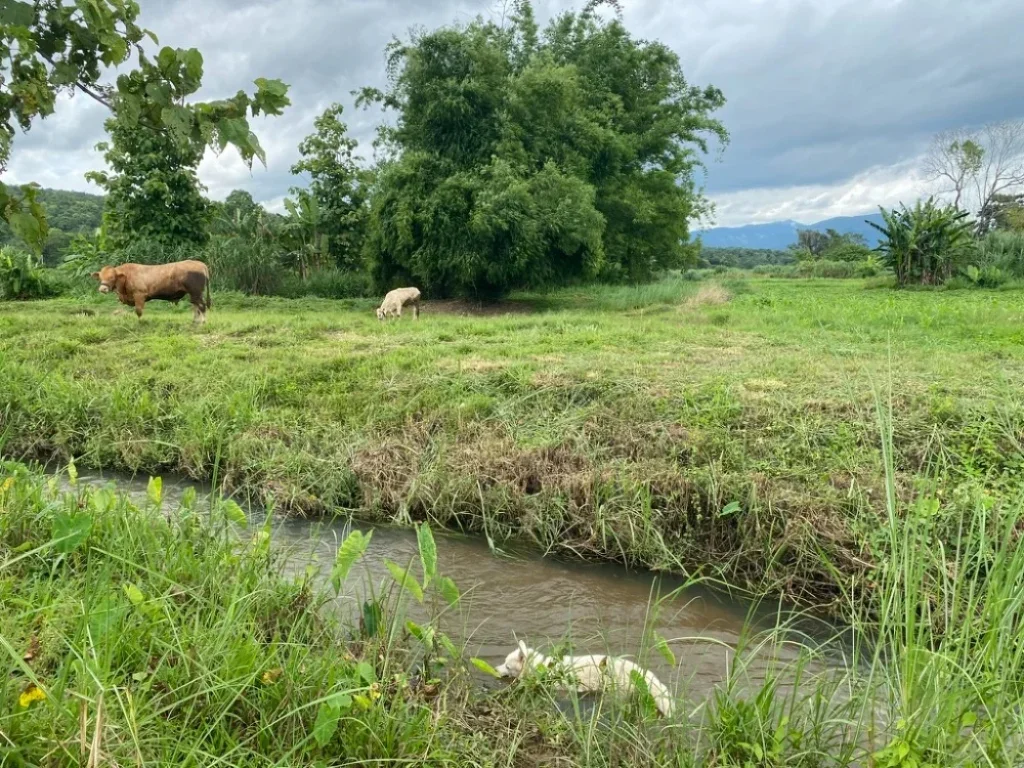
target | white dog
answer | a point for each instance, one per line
(591, 674)
(398, 298)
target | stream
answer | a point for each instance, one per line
(518, 594)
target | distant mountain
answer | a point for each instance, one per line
(779, 235)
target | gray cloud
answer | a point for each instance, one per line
(829, 102)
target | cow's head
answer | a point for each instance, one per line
(107, 277)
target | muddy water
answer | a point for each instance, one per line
(519, 594)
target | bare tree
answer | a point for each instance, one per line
(954, 159)
(976, 166)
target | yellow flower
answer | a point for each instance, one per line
(6, 485)
(271, 676)
(29, 695)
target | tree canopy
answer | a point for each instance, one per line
(153, 189)
(338, 184)
(830, 245)
(50, 46)
(527, 159)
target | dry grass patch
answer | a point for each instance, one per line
(709, 295)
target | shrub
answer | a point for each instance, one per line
(23, 277)
(991, 277)
(1001, 249)
(854, 252)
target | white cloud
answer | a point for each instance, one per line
(809, 203)
(829, 101)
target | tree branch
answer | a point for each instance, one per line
(82, 87)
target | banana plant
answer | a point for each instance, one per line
(923, 244)
(302, 234)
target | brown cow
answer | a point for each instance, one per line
(138, 283)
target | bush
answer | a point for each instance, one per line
(992, 277)
(22, 276)
(851, 252)
(1001, 249)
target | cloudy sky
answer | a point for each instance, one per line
(830, 102)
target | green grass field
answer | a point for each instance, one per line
(677, 425)
(851, 447)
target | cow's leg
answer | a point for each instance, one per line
(415, 310)
(139, 304)
(198, 309)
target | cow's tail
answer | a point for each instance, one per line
(208, 302)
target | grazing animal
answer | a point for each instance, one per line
(398, 298)
(135, 284)
(591, 674)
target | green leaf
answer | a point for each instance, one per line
(349, 553)
(167, 60)
(116, 48)
(449, 591)
(27, 227)
(16, 13)
(178, 120)
(484, 667)
(104, 617)
(405, 580)
(159, 94)
(661, 644)
(372, 617)
(135, 595)
(271, 97)
(234, 130)
(188, 498)
(193, 61)
(365, 671)
(70, 530)
(256, 149)
(730, 509)
(64, 73)
(327, 717)
(428, 552)
(234, 513)
(72, 473)
(448, 645)
(414, 629)
(424, 634)
(968, 720)
(155, 491)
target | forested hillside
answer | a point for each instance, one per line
(67, 213)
